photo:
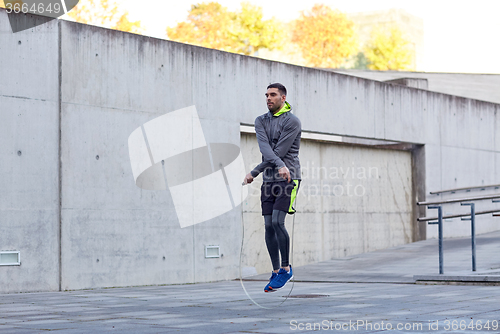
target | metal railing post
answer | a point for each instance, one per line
(440, 235)
(472, 215)
(472, 231)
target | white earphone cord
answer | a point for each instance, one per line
(241, 254)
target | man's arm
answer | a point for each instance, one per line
(266, 150)
(273, 157)
(260, 168)
(290, 131)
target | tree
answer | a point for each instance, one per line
(325, 36)
(359, 61)
(207, 25)
(253, 33)
(124, 24)
(104, 13)
(389, 50)
(213, 26)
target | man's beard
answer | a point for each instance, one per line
(273, 108)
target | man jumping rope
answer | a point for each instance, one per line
(278, 134)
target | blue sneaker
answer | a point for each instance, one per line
(273, 276)
(281, 280)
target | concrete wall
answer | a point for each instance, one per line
(114, 233)
(71, 94)
(29, 155)
(482, 87)
(410, 82)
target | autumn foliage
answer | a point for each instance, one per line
(389, 50)
(213, 26)
(105, 13)
(206, 25)
(325, 36)
(252, 32)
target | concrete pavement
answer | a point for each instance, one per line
(400, 264)
(383, 298)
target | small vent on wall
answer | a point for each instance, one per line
(212, 251)
(10, 258)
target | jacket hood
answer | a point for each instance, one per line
(286, 108)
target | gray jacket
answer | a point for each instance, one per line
(279, 142)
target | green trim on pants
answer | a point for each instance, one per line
(291, 210)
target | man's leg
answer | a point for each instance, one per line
(285, 274)
(281, 207)
(267, 202)
(278, 223)
(272, 242)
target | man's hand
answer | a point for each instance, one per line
(285, 173)
(248, 179)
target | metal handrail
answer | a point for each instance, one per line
(473, 213)
(456, 200)
(496, 186)
(426, 219)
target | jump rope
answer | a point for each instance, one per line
(241, 254)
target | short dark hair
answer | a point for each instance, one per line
(280, 87)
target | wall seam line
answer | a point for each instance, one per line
(59, 230)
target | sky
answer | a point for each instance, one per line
(461, 36)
